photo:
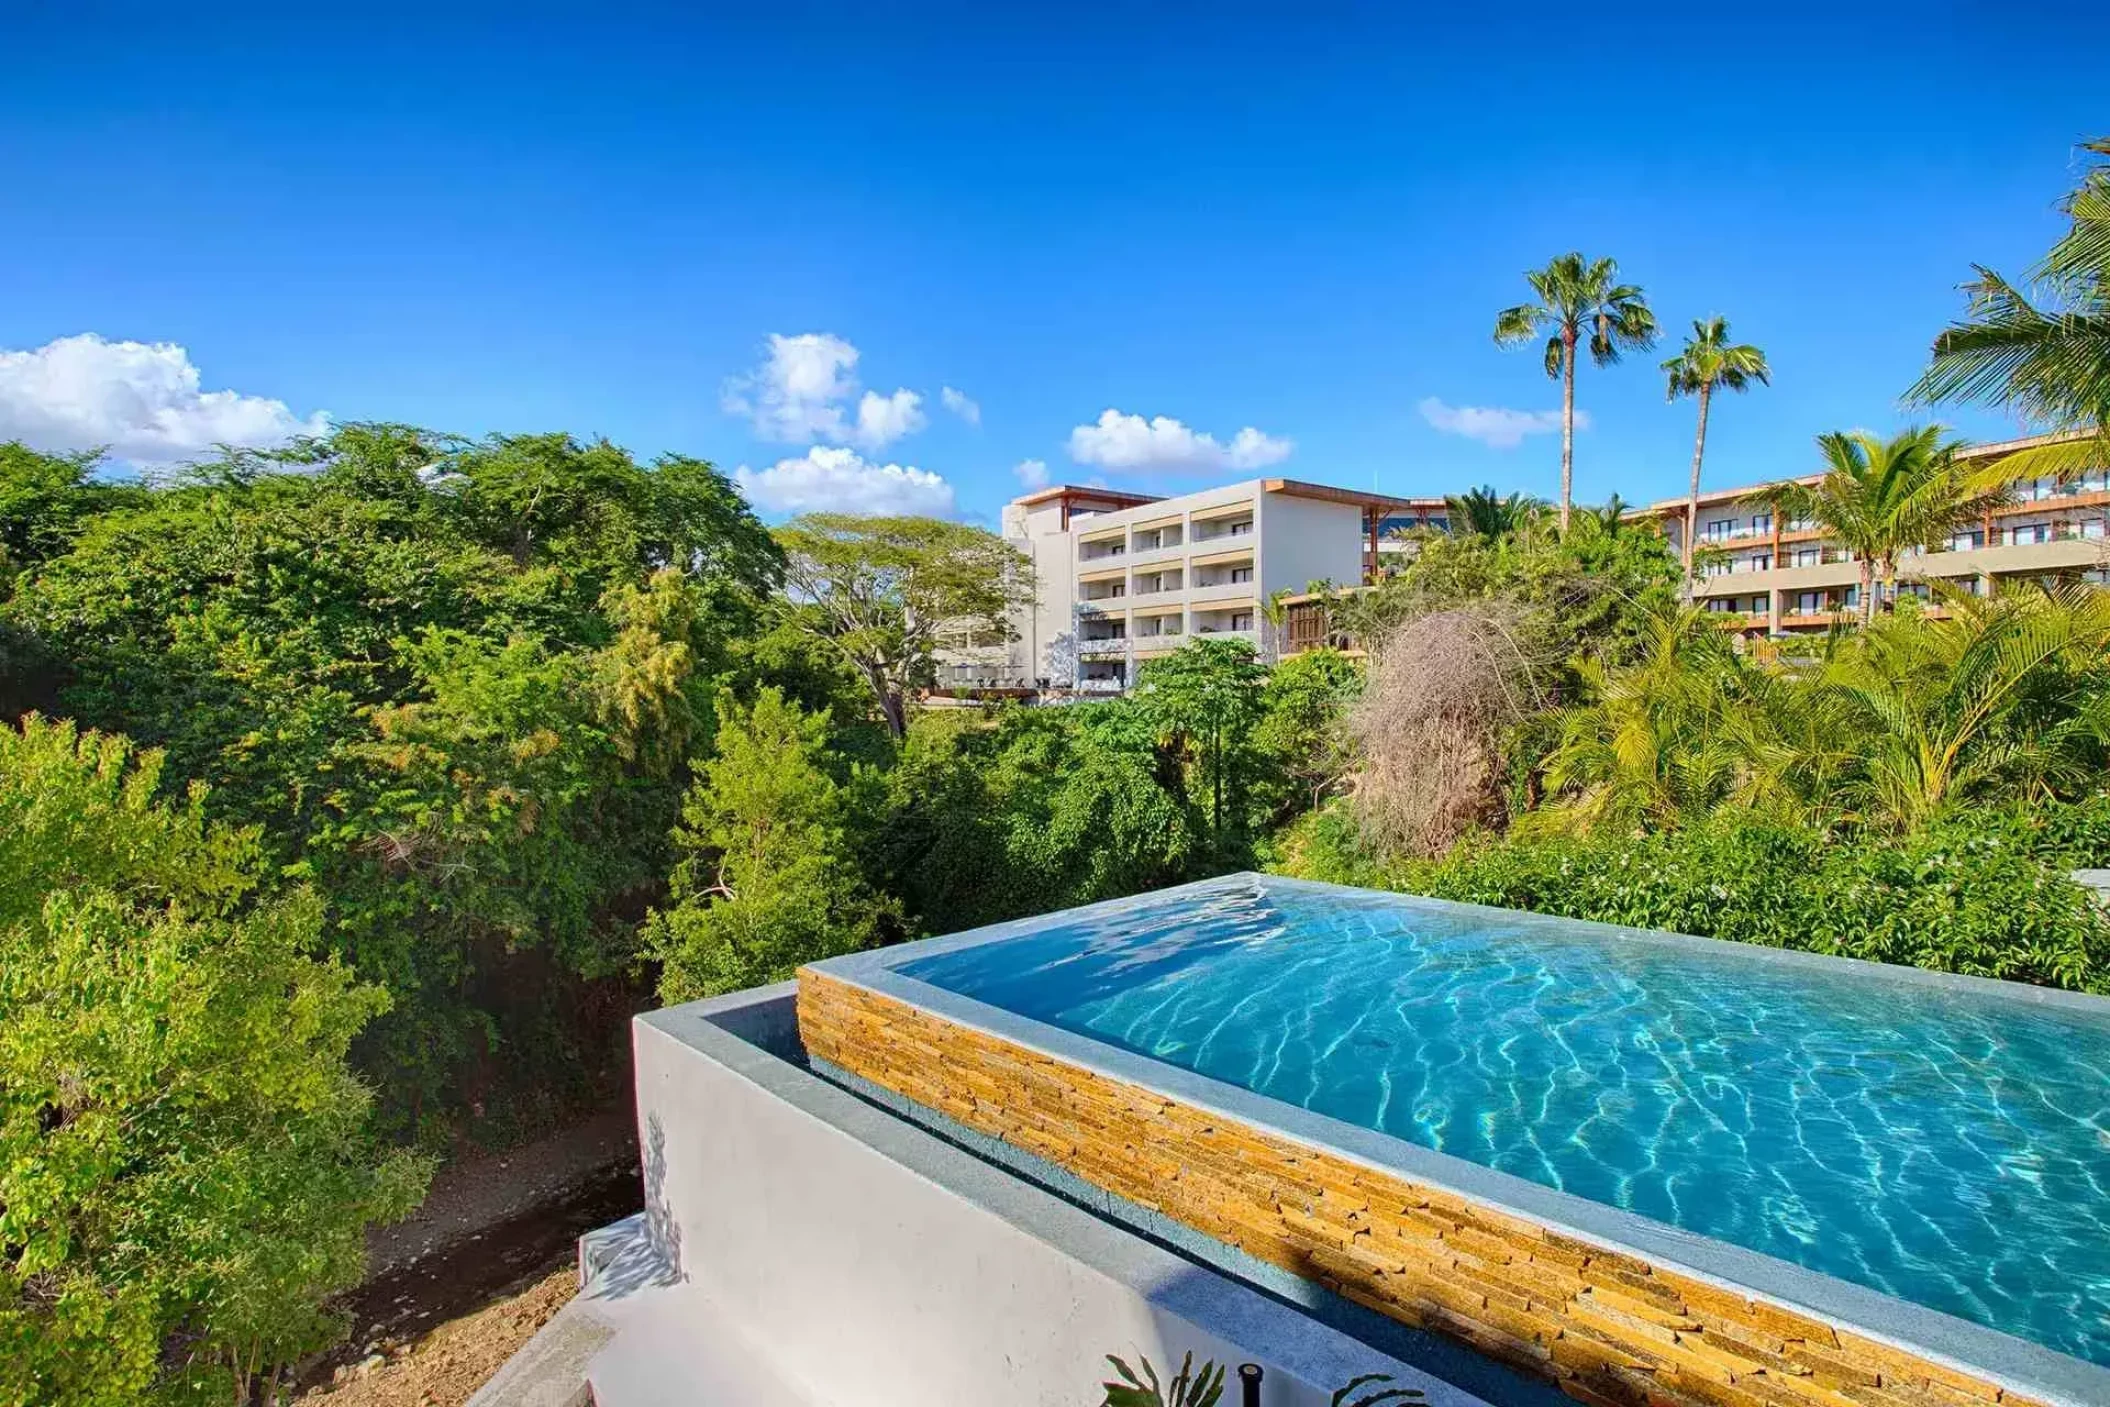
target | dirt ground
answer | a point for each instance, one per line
(442, 1367)
(471, 1196)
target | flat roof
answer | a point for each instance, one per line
(1117, 497)
(1367, 498)
(1990, 450)
(1296, 488)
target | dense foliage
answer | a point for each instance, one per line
(1912, 792)
(185, 1167)
(458, 752)
(455, 684)
(1968, 896)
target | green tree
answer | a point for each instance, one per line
(1578, 301)
(2009, 698)
(768, 877)
(1707, 361)
(1880, 499)
(884, 591)
(457, 684)
(1485, 513)
(1034, 810)
(45, 501)
(186, 1174)
(1205, 698)
(1301, 734)
(2040, 346)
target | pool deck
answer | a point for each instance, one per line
(1610, 1306)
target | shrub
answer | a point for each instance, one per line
(768, 879)
(1961, 897)
(185, 1170)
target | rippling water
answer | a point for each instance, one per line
(1946, 1147)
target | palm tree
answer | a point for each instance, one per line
(2041, 347)
(1707, 360)
(2010, 694)
(1879, 499)
(1689, 727)
(1608, 521)
(1577, 297)
(1481, 512)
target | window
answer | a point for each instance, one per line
(1809, 557)
(2089, 528)
(1717, 569)
(1239, 529)
(1760, 562)
(1967, 541)
(1801, 525)
(1718, 529)
(1762, 522)
(1241, 574)
(1242, 621)
(2026, 534)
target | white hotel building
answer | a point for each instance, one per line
(1124, 577)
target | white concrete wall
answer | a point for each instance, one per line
(1308, 539)
(874, 1264)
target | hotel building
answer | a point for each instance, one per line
(1126, 577)
(1767, 576)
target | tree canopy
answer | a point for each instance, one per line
(186, 1168)
(884, 590)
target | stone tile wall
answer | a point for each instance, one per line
(1607, 1327)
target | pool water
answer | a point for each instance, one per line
(1944, 1144)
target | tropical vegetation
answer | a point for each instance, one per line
(2040, 346)
(1881, 498)
(1709, 362)
(356, 794)
(1579, 303)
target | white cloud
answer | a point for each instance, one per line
(1494, 426)
(960, 404)
(1164, 445)
(140, 399)
(826, 479)
(1033, 473)
(881, 420)
(802, 392)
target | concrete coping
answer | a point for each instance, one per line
(1941, 1338)
(754, 1035)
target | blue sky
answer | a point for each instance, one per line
(1295, 220)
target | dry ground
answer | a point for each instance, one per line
(442, 1367)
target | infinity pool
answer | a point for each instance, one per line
(1948, 1144)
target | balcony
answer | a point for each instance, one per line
(1157, 584)
(1223, 532)
(1239, 591)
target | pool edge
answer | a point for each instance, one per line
(1983, 1358)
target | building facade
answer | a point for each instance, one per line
(1124, 578)
(1767, 576)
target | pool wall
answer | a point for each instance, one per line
(1609, 1323)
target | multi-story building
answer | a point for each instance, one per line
(1126, 577)
(1766, 575)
